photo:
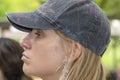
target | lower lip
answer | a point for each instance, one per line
(24, 58)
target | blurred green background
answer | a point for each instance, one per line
(111, 58)
(111, 7)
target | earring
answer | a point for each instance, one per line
(63, 63)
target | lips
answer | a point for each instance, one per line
(25, 58)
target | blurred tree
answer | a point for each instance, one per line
(111, 7)
(42, 1)
(17, 5)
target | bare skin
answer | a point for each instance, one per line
(43, 54)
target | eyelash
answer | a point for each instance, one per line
(38, 33)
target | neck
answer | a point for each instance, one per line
(54, 76)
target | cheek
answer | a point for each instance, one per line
(43, 56)
(55, 52)
(49, 51)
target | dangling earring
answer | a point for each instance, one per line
(63, 63)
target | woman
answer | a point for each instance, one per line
(10, 60)
(65, 41)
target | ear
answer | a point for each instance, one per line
(77, 51)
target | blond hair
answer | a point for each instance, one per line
(86, 67)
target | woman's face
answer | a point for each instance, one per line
(44, 52)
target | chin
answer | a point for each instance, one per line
(26, 69)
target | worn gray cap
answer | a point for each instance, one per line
(81, 20)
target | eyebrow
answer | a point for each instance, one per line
(39, 30)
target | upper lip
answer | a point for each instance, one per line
(25, 55)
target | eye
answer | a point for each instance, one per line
(39, 33)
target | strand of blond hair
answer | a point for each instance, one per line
(86, 67)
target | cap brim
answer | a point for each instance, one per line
(26, 21)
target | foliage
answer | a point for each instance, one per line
(111, 58)
(17, 5)
(111, 7)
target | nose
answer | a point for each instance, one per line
(25, 42)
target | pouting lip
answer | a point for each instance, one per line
(25, 59)
(25, 55)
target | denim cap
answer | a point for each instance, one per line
(81, 20)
